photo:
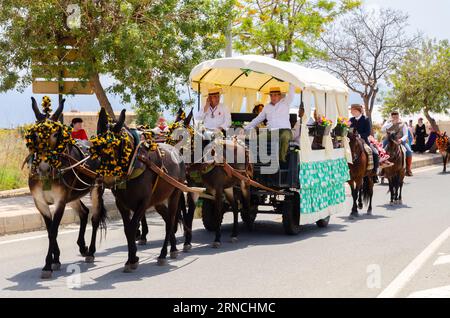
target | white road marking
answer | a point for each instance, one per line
(29, 238)
(440, 292)
(405, 276)
(444, 259)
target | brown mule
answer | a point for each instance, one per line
(49, 185)
(218, 182)
(145, 191)
(361, 179)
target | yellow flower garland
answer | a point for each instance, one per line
(107, 148)
(174, 127)
(37, 139)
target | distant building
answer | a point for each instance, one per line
(90, 119)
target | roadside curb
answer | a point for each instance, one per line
(13, 223)
(14, 193)
(426, 162)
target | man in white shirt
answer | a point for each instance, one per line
(277, 115)
(214, 114)
(395, 125)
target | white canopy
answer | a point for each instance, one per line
(259, 73)
(251, 76)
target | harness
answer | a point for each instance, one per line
(75, 165)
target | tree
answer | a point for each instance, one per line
(420, 82)
(363, 47)
(284, 29)
(147, 46)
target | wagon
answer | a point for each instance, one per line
(311, 186)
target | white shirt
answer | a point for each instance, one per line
(389, 124)
(277, 115)
(219, 117)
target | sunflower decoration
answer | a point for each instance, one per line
(114, 152)
(149, 142)
(39, 141)
(47, 106)
(177, 125)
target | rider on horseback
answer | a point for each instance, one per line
(395, 125)
(362, 125)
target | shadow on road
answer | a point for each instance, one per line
(396, 207)
(265, 233)
(361, 217)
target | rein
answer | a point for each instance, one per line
(170, 180)
(240, 176)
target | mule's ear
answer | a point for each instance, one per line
(58, 112)
(188, 118)
(118, 126)
(37, 112)
(102, 124)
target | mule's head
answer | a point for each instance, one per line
(182, 118)
(112, 146)
(48, 137)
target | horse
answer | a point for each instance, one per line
(144, 191)
(395, 173)
(52, 181)
(361, 179)
(443, 145)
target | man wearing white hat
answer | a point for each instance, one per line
(214, 114)
(277, 115)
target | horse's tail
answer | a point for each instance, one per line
(101, 212)
(103, 217)
(366, 190)
(181, 214)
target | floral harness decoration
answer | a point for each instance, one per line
(113, 150)
(40, 148)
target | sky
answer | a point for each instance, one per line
(431, 17)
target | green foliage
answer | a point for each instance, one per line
(284, 29)
(147, 46)
(420, 82)
(12, 154)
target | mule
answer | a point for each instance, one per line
(219, 182)
(145, 191)
(49, 185)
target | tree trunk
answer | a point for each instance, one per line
(430, 119)
(366, 100)
(101, 95)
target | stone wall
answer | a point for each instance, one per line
(90, 119)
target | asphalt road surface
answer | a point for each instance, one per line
(398, 252)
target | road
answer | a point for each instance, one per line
(397, 252)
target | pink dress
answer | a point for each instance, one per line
(383, 154)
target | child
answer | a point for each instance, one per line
(78, 132)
